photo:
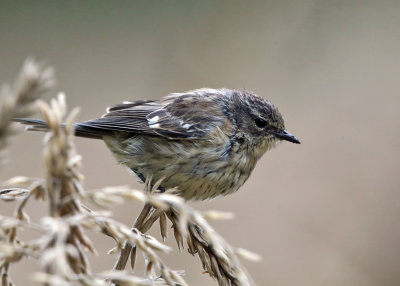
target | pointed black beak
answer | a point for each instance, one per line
(284, 135)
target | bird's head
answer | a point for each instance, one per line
(259, 121)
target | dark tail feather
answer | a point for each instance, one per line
(41, 125)
(33, 124)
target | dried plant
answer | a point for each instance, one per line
(219, 259)
(62, 245)
(19, 99)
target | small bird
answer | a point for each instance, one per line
(204, 142)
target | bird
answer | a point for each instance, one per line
(204, 143)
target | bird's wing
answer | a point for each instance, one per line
(158, 118)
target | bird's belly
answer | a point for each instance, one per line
(202, 180)
(208, 186)
(199, 172)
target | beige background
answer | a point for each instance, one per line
(322, 213)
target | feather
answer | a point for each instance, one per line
(174, 117)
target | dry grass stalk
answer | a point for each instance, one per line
(63, 246)
(19, 99)
(219, 259)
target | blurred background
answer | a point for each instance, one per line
(325, 212)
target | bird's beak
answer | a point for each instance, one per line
(284, 135)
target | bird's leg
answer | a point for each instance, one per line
(143, 179)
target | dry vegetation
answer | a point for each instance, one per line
(62, 244)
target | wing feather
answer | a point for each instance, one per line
(191, 115)
(136, 117)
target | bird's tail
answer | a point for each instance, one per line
(33, 124)
(41, 125)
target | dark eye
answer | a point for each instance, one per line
(261, 123)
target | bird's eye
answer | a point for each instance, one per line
(261, 123)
